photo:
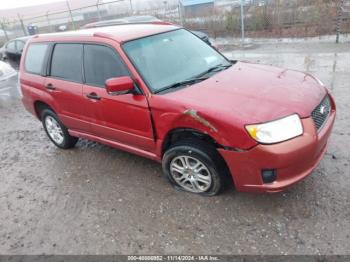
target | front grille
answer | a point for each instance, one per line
(321, 113)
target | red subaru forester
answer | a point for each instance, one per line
(159, 91)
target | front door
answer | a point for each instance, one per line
(122, 118)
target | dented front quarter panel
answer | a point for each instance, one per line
(169, 114)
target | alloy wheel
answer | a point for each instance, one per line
(54, 130)
(191, 174)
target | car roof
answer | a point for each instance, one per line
(119, 33)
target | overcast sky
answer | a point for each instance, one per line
(7, 4)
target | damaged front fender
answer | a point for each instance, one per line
(193, 113)
(225, 130)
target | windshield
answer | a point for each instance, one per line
(172, 57)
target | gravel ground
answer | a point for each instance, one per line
(98, 200)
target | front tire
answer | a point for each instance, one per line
(56, 131)
(195, 166)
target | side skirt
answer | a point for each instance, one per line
(115, 144)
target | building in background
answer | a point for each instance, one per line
(195, 8)
(236, 3)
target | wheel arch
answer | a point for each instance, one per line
(39, 106)
(179, 133)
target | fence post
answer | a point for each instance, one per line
(278, 18)
(4, 30)
(165, 8)
(242, 23)
(70, 14)
(131, 7)
(98, 10)
(180, 13)
(340, 8)
(22, 25)
(48, 21)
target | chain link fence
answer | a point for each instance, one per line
(275, 19)
(70, 19)
(221, 18)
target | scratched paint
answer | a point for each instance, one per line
(193, 113)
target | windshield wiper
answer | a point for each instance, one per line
(216, 68)
(187, 82)
(198, 78)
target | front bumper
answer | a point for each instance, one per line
(293, 160)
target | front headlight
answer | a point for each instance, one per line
(276, 131)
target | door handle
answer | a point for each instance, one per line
(93, 96)
(50, 86)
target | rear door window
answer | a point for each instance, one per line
(66, 62)
(35, 58)
(101, 63)
(11, 46)
(19, 45)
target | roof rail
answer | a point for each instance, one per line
(105, 24)
(104, 35)
(158, 23)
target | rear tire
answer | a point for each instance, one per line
(195, 166)
(56, 131)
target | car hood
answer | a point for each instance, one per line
(253, 93)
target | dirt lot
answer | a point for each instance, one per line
(98, 200)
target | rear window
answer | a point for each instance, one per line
(35, 58)
(67, 62)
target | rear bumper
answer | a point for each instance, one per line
(293, 160)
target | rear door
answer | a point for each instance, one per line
(122, 118)
(65, 84)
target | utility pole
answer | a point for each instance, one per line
(242, 23)
(340, 10)
(71, 15)
(22, 24)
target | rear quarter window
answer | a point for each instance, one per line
(35, 58)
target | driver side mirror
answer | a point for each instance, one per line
(119, 85)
